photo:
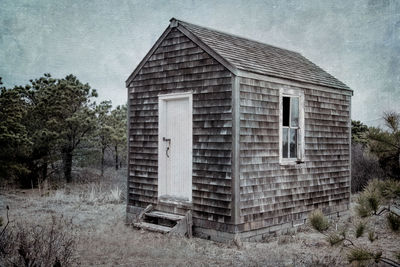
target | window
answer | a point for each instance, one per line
(291, 126)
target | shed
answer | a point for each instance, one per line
(247, 136)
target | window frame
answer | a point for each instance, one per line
(292, 92)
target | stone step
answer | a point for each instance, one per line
(165, 215)
(153, 227)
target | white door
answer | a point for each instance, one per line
(175, 147)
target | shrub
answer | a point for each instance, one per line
(387, 189)
(334, 239)
(375, 194)
(364, 166)
(360, 229)
(362, 209)
(115, 195)
(390, 189)
(368, 201)
(36, 245)
(359, 255)
(398, 255)
(318, 220)
(393, 221)
(373, 199)
(372, 236)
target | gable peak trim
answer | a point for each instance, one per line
(173, 22)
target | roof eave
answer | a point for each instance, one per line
(174, 23)
(300, 83)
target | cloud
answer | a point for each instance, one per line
(103, 41)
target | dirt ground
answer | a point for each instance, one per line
(103, 239)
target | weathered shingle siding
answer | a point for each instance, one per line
(179, 65)
(274, 194)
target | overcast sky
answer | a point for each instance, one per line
(101, 42)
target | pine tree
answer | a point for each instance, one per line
(15, 143)
(76, 117)
(104, 129)
(386, 144)
(119, 135)
(359, 132)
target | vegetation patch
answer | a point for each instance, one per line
(368, 202)
(393, 222)
(376, 200)
(52, 244)
(50, 125)
(360, 229)
(318, 220)
(359, 255)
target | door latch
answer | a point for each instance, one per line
(168, 145)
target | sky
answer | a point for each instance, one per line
(101, 42)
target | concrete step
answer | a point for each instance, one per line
(165, 215)
(153, 227)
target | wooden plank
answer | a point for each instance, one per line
(184, 225)
(153, 227)
(165, 215)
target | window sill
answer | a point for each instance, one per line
(294, 163)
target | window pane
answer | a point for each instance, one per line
(285, 144)
(293, 143)
(294, 109)
(286, 110)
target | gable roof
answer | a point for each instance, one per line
(238, 53)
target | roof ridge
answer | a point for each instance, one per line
(234, 35)
(290, 60)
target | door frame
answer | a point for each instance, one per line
(162, 100)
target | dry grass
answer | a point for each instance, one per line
(97, 216)
(318, 221)
(50, 244)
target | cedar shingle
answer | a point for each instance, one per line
(257, 57)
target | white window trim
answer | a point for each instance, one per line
(291, 92)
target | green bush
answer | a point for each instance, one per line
(318, 220)
(360, 229)
(393, 221)
(364, 167)
(359, 255)
(391, 189)
(334, 239)
(398, 255)
(372, 236)
(362, 209)
(388, 189)
(368, 201)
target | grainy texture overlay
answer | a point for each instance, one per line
(179, 65)
(102, 41)
(239, 181)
